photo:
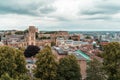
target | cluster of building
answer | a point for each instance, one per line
(85, 49)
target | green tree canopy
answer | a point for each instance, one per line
(68, 69)
(87, 37)
(24, 77)
(19, 32)
(95, 71)
(5, 76)
(12, 62)
(46, 65)
(111, 62)
(53, 43)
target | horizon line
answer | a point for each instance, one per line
(65, 30)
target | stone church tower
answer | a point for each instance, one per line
(31, 38)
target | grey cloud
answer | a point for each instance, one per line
(104, 7)
(47, 9)
(93, 12)
(102, 10)
(60, 18)
(26, 8)
(16, 10)
(99, 18)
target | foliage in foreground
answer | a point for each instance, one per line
(12, 62)
(69, 69)
(12, 65)
(111, 61)
(46, 65)
(95, 71)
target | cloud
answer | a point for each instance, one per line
(60, 14)
(61, 18)
(99, 18)
(106, 8)
(47, 9)
(28, 7)
(101, 10)
(94, 11)
(16, 10)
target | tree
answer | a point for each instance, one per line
(46, 65)
(36, 35)
(19, 32)
(25, 31)
(69, 69)
(87, 37)
(0, 38)
(111, 61)
(22, 49)
(44, 37)
(5, 76)
(23, 77)
(20, 62)
(53, 43)
(12, 62)
(31, 51)
(95, 71)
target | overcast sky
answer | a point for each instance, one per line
(60, 14)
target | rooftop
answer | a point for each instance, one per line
(83, 55)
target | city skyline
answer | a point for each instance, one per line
(70, 15)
